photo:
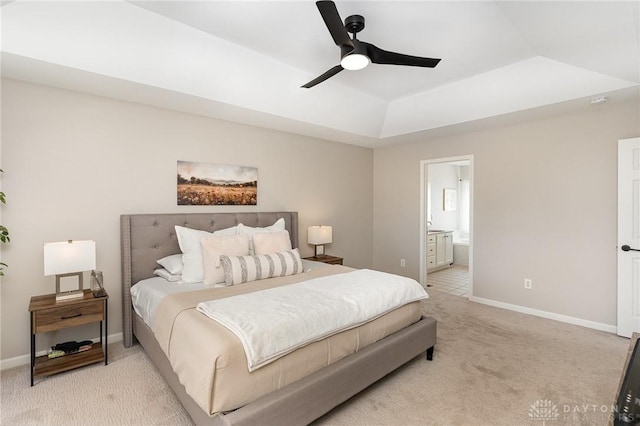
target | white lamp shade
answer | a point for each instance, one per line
(320, 234)
(69, 256)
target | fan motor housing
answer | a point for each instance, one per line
(354, 23)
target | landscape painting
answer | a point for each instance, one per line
(216, 184)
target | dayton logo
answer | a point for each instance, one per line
(543, 410)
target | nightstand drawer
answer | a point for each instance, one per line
(68, 316)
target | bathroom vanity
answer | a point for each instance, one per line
(439, 250)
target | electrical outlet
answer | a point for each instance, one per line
(403, 263)
(528, 284)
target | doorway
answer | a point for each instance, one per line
(446, 224)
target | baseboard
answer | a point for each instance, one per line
(549, 315)
(26, 359)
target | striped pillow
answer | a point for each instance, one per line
(242, 269)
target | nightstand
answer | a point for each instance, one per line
(332, 260)
(48, 315)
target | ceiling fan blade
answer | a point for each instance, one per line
(333, 71)
(334, 23)
(379, 56)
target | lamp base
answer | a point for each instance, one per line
(69, 286)
(319, 250)
(66, 295)
(99, 293)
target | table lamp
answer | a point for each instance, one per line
(320, 235)
(67, 260)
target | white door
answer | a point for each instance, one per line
(628, 236)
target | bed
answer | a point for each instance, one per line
(146, 238)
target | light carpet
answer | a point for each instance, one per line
(491, 367)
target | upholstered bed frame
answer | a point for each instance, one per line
(148, 237)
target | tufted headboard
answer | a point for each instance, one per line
(145, 238)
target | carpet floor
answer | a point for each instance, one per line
(491, 367)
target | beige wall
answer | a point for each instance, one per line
(73, 163)
(545, 196)
(545, 209)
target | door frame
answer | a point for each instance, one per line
(424, 167)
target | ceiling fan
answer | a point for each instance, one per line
(356, 54)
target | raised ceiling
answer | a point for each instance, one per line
(245, 61)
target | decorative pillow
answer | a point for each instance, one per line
(189, 240)
(172, 263)
(271, 243)
(213, 247)
(161, 272)
(242, 269)
(278, 226)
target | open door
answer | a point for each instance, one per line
(628, 236)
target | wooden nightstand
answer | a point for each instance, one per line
(48, 315)
(332, 260)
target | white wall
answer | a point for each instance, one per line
(545, 208)
(464, 172)
(74, 163)
(442, 176)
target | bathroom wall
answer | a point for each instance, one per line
(442, 176)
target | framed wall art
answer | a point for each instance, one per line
(205, 184)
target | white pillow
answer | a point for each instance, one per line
(242, 269)
(161, 272)
(272, 242)
(213, 247)
(227, 231)
(278, 226)
(189, 240)
(172, 263)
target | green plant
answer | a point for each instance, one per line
(4, 232)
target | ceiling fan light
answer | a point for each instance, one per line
(355, 61)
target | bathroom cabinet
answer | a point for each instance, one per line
(439, 250)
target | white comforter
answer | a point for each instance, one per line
(274, 322)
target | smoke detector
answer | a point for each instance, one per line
(599, 100)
